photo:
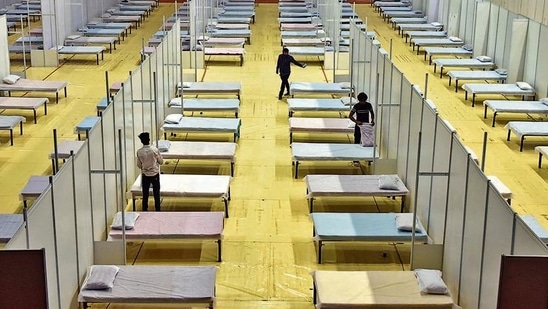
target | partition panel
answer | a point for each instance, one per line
(481, 29)
(41, 230)
(492, 30)
(413, 143)
(426, 164)
(498, 241)
(516, 57)
(541, 80)
(500, 44)
(526, 242)
(393, 111)
(455, 215)
(4, 52)
(403, 134)
(474, 217)
(373, 52)
(531, 51)
(134, 92)
(111, 169)
(65, 232)
(97, 184)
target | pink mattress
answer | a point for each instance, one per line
(186, 225)
(34, 85)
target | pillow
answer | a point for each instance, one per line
(388, 182)
(544, 101)
(199, 47)
(524, 86)
(11, 79)
(3, 11)
(349, 100)
(93, 22)
(320, 32)
(175, 102)
(111, 10)
(467, 47)
(163, 145)
(345, 85)
(106, 15)
(502, 71)
(436, 24)
(404, 222)
(203, 38)
(484, 58)
(130, 218)
(59, 47)
(173, 118)
(187, 84)
(101, 277)
(455, 39)
(430, 281)
(73, 37)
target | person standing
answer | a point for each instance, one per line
(283, 67)
(149, 160)
(360, 114)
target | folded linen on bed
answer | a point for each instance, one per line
(544, 101)
(467, 47)
(163, 145)
(101, 277)
(524, 86)
(502, 71)
(349, 100)
(11, 79)
(484, 58)
(455, 39)
(404, 222)
(388, 182)
(430, 282)
(173, 118)
(130, 218)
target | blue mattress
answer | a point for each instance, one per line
(203, 124)
(330, 152)
(535, 226)
(9, 225)
(87, 124)
(206, 104)
(317, 105)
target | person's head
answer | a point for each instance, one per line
(145, 138)
(285, 51)
(362, 97)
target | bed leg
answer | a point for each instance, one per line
(35, 115)
(57, 96)
(320, 244)
(441, 72)
(226, 207)
(232, 169)
(296, 169)
(65, 91)
(11, 137)
(456, 85)
(473, 99)
(290, 137)
(508, 135)
(540, 160)
(465, 95)
(219, 259)
(521, 143)
(311, 205)
(494, 116)
(133, 204)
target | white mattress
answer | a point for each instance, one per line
(317, 105)
(330, 152)
(178, 185)
(200, 150)
(306, 50)
(497, 89)
(505, 106)
(463, 63)
(528, 128)
(10, 122)
(435, 42)
(203, 124)
(212, 87)
(330, 125)
(318, 87)
(478, 75)
(206, 104)
(157, 284)
(81, 50)
(446, 51)
(349, 185)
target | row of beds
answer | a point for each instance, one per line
(110, 29)
(435, 42)
(225, 35)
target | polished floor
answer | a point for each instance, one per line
(268, 252)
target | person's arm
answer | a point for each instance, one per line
(372, 116)
(352, 118)
(139, 163)
(295, 62)
(159, 157)
(278, 64)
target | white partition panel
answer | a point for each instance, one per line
(4, 53)
(480, 32)
(525, 241)
(428, 139)
(372, 78)
(111, 168)
(65, 231)
(41, 231)
(97, 182)
(531, 51)
(455, 215)
(498, 241)
(516, 59)
(501, 36)
(136, 105)
(439, 193)
(492, 29)
(413, 143)
(541, 80)
(403, 134)
(389, 112)
(476, 203)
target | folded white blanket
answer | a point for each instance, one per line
(404, 222)
(130, 218)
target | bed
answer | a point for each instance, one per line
(462, 63)
(417, 43)
(330, 152)
(297, 14)
(402, 28)
(24, 104)
(445, 51)
(197, 225)
(86, 125)
(289, 42)
(535, 227)
(350, 185)
(10, 122)
(100, 25)
(203, 105)
(30, 40)
(63, 151)
(231, 33)
(504, 89)
(377, 227)
(295, 20)
(307, 51)
(373, 289)
(191, 186)
(200, 151)
(298, 34)
(379, 4)
(108, 32)
(157, 284)
(294, 27)
(93, 40)
(474, 75)
(226, 51)
(207, 88)
(212, 42)
(526, 128)
(296, 88)
(230, 26)
(122, 19)
(9, 225)
(35, 186)
(305, 105)
(396, 21)
(514, 107)
(239, 14)
(424, 34)
(320, 125)
(83, 50)
(31, 85)
(204, 125)
(386, 15)
(233, 20)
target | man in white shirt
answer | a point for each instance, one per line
(149, 160)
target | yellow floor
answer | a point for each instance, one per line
(268, 252)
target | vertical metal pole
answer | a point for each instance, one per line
(75, 208)
(415, 204)
(90, 193)
(484, 151)
(121, 200)
(56, 249)
(55, 165)
(107, 87)
(426, 86)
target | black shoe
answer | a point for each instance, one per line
(279, 97)
(287, 94)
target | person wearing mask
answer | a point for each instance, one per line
(283, 67)
(149, 160)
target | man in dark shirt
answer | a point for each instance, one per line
(283, 67)
(361, 110)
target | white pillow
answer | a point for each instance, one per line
(524, 86)
(163, 145)
(502, 71)
(404, 222)
(388, 182)
(349, 100)
(111, 10)
(436, 24)
(203, 38)
(130, 217)
(101, 277)
(484, 58)
(175, 102)
(106, 15)
(11, 79)
(544, 101)
(430, 281)
(73, 37)
(173, 118)
(455, 39)
(59, 47)
(187, 84)
(467, 47)
(93, 22)
(345, 85)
